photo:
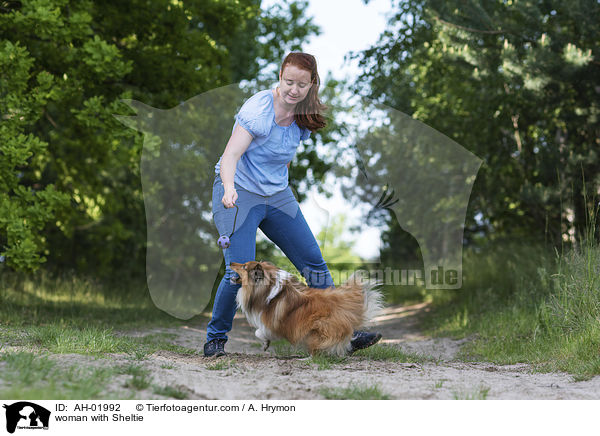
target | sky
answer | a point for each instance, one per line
(346, 25)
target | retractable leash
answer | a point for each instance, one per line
(224, 241)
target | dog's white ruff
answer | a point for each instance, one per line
(254, 319)
(281, 277)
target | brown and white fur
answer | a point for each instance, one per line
(278, 305)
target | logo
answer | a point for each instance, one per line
(26, 415)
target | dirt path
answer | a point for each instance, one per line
(249, 373)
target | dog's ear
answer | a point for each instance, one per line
(257, 273)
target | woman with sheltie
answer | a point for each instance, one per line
(251, 190)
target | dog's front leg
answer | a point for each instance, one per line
(262, 335)
(266, 345)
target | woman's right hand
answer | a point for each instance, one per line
(236, 147)
(229, 197)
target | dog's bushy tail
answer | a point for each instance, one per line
(373, 299)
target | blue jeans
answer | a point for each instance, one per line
(281, 220)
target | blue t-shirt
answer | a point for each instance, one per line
(262, 168)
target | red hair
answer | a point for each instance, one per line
(308, 111)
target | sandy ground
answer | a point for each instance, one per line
(249, 373)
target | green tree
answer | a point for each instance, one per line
(515, 82)
(336, 250)
(26, 207)
(65, 66)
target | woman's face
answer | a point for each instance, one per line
(294, 84)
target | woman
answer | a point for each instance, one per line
(251, 189)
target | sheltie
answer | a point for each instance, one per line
(278, 305)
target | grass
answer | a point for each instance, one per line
(479, 393)
(393, 354)
(283, 348)
(26, 369)
(323, 361)
(221, 365)
(68, 300)
(439, 384)
(133, 370)
(139, 381)
(354, 393)
(42, 315)
(176, 392)
(379, 352)
(89, 340)
(28, 375)
(527, 303)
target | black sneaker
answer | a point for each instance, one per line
(216, 348)
(362, 340)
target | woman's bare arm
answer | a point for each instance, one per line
(236, 146)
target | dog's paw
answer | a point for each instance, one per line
(266, 345)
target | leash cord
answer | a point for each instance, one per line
(234, 219)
